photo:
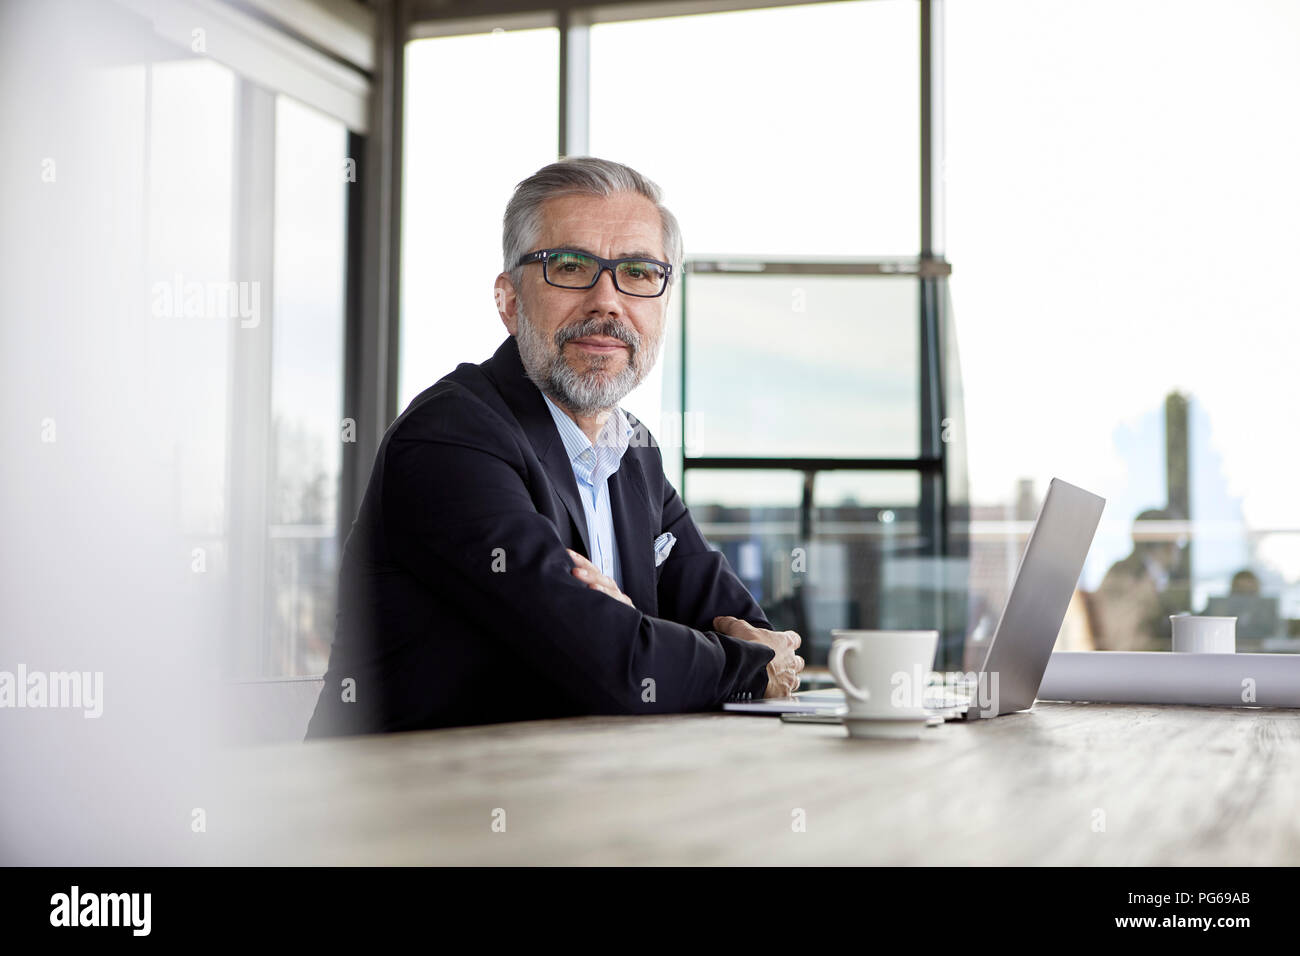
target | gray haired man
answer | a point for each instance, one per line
(519, 553)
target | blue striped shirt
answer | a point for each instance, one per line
(592, 466)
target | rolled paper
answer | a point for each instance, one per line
(1158, 677)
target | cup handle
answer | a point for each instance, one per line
(836, 665)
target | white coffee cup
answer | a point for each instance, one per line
(883, 673)
(1204, 635)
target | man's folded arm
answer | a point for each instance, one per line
(459, 517)
(696, 584)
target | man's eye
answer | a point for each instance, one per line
(642, 271)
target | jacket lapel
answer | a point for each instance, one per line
(633, 526)
(525, 400)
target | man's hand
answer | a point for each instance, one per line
(783, 670)
(590, 575)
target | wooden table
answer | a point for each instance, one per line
(1076, 784)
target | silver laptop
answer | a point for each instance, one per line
(1022, 645)
(1049, 570)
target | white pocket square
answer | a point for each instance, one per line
(663, 544)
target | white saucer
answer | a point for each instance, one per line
(895, 728)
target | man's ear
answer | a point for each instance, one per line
(507, 302)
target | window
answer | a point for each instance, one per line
(731, 112)
(857, 555)
(810, 366)
(306, 387)
(481, 115)
(186, 260)
(191, 181)
(1115, 226)
(246, 237)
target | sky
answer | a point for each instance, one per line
(1121, 200)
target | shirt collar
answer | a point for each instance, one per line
(616, 434)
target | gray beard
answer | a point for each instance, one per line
(583, 392)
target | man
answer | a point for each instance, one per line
(519, 552)
(1138, 593)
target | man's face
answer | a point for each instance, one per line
(587, 348)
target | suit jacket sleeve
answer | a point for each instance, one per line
(459, 516)
(696, 584)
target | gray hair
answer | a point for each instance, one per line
(578, 175)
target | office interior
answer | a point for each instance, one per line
(938, 253)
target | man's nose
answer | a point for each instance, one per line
(604, 296)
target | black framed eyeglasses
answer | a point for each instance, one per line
(570, 269)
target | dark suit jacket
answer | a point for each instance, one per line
(456, 601)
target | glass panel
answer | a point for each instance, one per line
(952, 433)
(303, 570)
(759, 97)
(1134, 357)
(860, 559)
(481, 115)
(802, 366)
(306, 385)
(191, 142)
